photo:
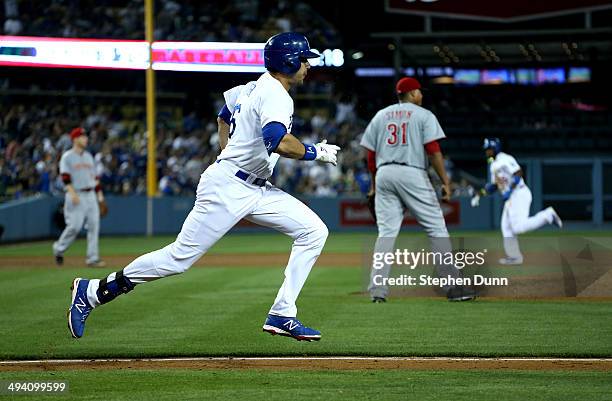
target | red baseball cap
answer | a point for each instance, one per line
(407, 84)
(77, 132)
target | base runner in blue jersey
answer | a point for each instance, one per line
(506, 176)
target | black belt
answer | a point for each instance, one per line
(401, 164)
(84, 190)
(243, 175)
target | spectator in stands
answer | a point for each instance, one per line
(175, 20)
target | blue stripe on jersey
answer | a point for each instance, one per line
(225, 114)
(273, 133)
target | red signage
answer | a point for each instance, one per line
(356, 213)
(501, 11)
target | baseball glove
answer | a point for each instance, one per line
(372, 204)
(103, 208)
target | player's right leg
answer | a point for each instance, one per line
(218, 200)
(74, 215)
(389, 217)
(288, 215)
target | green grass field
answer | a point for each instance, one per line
(218, 311)
(326, 385)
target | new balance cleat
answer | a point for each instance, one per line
(79, 307)
(290, 327)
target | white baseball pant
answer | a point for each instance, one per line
(515, 220)
(222, 200)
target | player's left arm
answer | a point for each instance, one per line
(103, 207)
(431, 133)
(371, 163)
(277, 139)
(291, 147)
(98, 189)
(276, 116)
(436, 159)
(371, 196)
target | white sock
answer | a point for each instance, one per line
(92, 288)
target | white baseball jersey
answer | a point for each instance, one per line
(502, 169)
(253, 106)
(398, 132)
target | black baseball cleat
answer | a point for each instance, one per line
(378, 300)
(59, 260)
(461, 293)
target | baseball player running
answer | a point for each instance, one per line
(236, 187)
(506, 176)
(83, 192)
(399, 140)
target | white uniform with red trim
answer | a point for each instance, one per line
(82, 171)
(398, 134)
(235, 188)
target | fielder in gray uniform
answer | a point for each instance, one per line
(83, 192)
(400, 139)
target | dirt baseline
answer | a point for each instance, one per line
(316, 363)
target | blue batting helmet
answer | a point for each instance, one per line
(284, 52)
(492, 143)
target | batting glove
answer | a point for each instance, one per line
(475, 201)
(327, 153)
(506, 194)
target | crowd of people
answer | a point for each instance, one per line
(188, 20)
(33, 136)
(34, 133)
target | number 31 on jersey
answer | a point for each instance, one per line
(393, 130)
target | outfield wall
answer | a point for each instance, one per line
(37, 217)
(579, 189)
